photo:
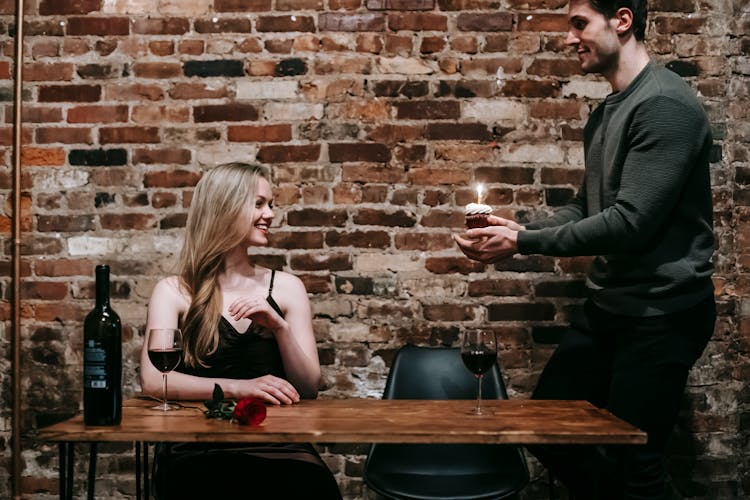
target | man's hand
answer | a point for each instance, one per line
(493, 243)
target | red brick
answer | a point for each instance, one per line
(47, 312)
(417, 21)
(43, 157)
(543, 22)
(431, 176)
(161, 47)
(537, 4)
(554, 67)
(316, 217)
(43, 290)
(127, 221)
(289, 153)
(562, 176)
(391, 133)
(223, 25)
(335, 21)
(158, 70)
(566, 110)
(98, 114)
(285, 23)
(402, 45)
(191, 47)
(260, 133)
(490, 66)
(63, 267)
(372, 173)
(133, 92)
(70, 93)
(400, 4)
(36, 114)
(299, 4)
(242, 5)
(47, 72)
(671, 6)
(452, 265)
(679, 25)
(161, 26)
(447, 312)
(466, 44)
(159, 115)
(102, 26)
(292, 240)
(426, 242)
(373, 217)
(431, 44)
(117, 135)
(496, 43)
(67, 135)
(498, 21)
(53, 7)
(163, 200)
(458, 132)
(358, 239)
(443, 218)
(197, 91)
(169, 156)
(171, 179)
(344, 4)
(315, 283)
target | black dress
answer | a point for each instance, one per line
(229, 470)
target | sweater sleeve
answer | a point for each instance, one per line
(664, 141)
(575, 210)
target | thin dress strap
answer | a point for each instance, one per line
(269, 299)
(270, 286)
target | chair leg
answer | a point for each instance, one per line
(551, 482)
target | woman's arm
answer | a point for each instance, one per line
(168, 303)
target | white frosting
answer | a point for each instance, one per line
(477, 208)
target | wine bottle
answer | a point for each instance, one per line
(102, 358)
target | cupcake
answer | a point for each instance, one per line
(476, 215)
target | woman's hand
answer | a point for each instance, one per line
(271, 389)
(258, 310)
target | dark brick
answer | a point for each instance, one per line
(458, 132)
(213, 68)
(557, 67)
(98, 157)
(171, 179)
(242, 5)
(520, 312)
(499, 287)
(400, 4)
(428, 110)
(223, 25)
(466, 88)
(354, 285)
(561, 288)
(530, 263)
(359, 239)
(683, 68)
(173, 221)
(70, 93)
(373, 217)
(368, 152)
(447, 312)
(290, 67)
(400, 88)
(557, 197)
(452, 265)
(98, 71)
(225, 113)
(548, 334)
(291, 240)
(417, 21)
(161, 26)
(65, 223)
(54, 7)
(531, 88)
(505, 175)
(289, 153)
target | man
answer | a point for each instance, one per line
(644, 210)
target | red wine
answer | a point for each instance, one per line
(165, 360)
(102, 358)
(478, 362)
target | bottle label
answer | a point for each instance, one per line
(95, 365)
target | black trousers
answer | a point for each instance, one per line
(637, 369)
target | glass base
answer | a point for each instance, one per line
(475, 411)
(167, 406)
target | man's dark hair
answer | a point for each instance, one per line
(639, 8)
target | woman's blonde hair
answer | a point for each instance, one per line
(219, 201)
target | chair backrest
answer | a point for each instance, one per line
(438, 373)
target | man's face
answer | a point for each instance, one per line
(594, 37)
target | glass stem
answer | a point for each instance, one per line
(479, 392)
(164, 385)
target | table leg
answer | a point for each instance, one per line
(92, 470)
(62, 447)
(69, 474)
(138, 470)
(145, 471)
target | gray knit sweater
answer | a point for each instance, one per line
(644, 208)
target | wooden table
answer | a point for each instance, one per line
(517, 422)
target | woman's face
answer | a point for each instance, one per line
(258, 215)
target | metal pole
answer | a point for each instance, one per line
(16, 297)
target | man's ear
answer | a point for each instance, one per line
(624, 20)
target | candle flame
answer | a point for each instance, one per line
(480, 188)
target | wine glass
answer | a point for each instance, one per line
(479, 353)
(165, 353)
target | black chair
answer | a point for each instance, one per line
(443, 471)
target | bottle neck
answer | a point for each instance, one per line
(102, 286)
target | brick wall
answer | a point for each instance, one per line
(377, 116)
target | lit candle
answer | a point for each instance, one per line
(480, 188)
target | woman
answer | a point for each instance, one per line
(246, 328)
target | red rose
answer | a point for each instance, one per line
(250, 411)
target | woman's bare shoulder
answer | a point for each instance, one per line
(171, 288)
